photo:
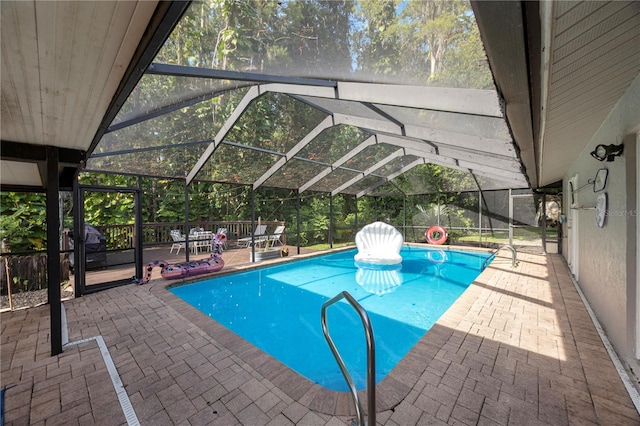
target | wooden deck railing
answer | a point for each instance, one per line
(122, 236)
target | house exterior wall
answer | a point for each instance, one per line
(607, 256)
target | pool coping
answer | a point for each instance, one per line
(389, 392)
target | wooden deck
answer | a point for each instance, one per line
(233, 256)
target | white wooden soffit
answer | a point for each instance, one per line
(64, 61)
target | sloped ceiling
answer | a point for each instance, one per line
(595, 55)
(63, 63)
(578, 58)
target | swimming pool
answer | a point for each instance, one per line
(277, 308)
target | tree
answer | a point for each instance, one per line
(376, 39)
(434, 26)
(465, 64)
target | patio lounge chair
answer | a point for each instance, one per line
(178, 241)
(257, 236)
(274, 239)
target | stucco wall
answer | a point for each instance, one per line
(603, 273)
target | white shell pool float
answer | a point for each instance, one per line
(379, 243)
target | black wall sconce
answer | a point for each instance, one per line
(607, 152)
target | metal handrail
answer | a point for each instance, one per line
(513, 255)
(371, 357)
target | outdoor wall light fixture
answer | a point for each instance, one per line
(607, 152)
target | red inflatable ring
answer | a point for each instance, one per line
(436, 235)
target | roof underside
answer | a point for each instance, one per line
(595, 57)
(558, 72)
(310, 125)
(64, 64)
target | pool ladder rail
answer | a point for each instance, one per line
(493, 254)
(371, 359)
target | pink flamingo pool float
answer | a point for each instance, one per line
(173, 271)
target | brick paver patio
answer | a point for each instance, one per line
(517, 348)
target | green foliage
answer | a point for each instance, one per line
(379, 38)
(108, 208)
(430, 215)
(23, 220)
(329, 38)
(169, 201)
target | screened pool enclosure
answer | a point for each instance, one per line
(324, 116)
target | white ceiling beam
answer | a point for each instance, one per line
(368, 123)
(453, 153)
(367, 172)
(497, 161)
(477, 143)
(391, 176)
(514, 182)
(324, 124)
(492, 173)
(251, 94)
(473, 159)
(465, 101)
(432, 158)
(497, 176)
(466, 165)
(296, 89)
(372, 140)
(404, 142)
(507, 183)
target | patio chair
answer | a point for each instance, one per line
(257, 234)
(178, 241)
(275, 238)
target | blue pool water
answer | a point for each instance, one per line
(278, 308)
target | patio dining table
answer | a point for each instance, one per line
(201, 241)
